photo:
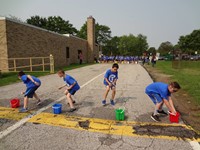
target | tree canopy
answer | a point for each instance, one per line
(190, 43)
(126, 45)
(165, 48)
(83, 31)
(53, 23)
(152, 50)
(102, 33)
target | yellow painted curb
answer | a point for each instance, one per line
(11, 113)
(123, 128)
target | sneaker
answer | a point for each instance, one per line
(155, 118)
(23, 110)
(112, 102)
(72, 109)
(39, 102)
(162, 112)
(104, 102)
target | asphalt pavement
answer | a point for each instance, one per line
(92, 126)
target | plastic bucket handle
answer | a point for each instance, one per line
(177, 113)
(55, 107)
(16, 103)
(122, 109)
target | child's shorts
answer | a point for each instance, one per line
(112, 87)
(156, 98)
(72, 92)
(30, 92)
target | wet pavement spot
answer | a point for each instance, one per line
(159, 130)
(124, 99)
(84, 124)
(108, 140)
(147, 118)
(103, 113)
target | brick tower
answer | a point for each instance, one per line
(91, 38)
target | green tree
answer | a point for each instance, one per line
(53, 23)
(142, 44)
(165, 48)
(102, 33)
(83, 31)
(127, 44)
(37, 21)
(111, 48)
(133, 45)
(152, 50)
(190, 43)
(57, 24)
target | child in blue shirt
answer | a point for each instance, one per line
(110, 79)
(72, 88)
(160, 93)
(32, 84)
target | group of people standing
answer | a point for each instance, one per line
(120, 59)
(148, 59)
(129, 59)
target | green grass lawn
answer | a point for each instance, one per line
(188, 76)
(11, 77)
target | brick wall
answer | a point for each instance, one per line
(24, 40)
(3, 46)
(28, 41)
(76, 44)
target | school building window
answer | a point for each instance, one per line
(67, 52)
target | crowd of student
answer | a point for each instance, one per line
(120, 59)
(128, 59)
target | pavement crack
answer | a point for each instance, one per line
(150, 144)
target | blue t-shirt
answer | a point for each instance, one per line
(158, 88)
(111, 76)
(28, 82)
(70, 80)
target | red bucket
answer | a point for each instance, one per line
(15, 103)
(174, 118)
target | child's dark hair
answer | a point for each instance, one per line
(115, 65)
(175, 85)
(61, 71)
(21, 73)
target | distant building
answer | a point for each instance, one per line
(23, 40)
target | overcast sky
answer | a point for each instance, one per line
(159, 20)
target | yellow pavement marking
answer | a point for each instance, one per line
(11, 113)
(124, 128)
(91, 124)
